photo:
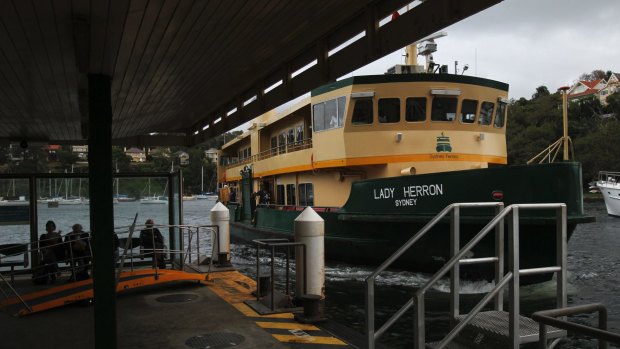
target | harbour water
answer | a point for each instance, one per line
(592, 260)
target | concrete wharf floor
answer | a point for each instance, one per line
(211, 316)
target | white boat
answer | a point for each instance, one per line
(21, 201)
(154, 200)
(190, 197)
(70, 201)
(609, 185)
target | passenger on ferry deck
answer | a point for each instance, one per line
(152, 240)
(78, 252)
(52, 250)
(225, 194)
(233, 195)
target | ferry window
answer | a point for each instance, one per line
(280, 194)
(300, 133)
(443, 109)
(362, 112)
(290, 138)
(290, 194)
(486, 113)
(468, 111)
(282, 143)
(389, 110)
(318, 119)
(306, 194)
(415, 109)
(341, 102)
(331, 114)
(500, 115)
(274, 145)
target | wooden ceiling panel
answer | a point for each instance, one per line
(177, 65)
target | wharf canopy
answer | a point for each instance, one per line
(185, 71)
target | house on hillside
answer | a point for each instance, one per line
(81, 151)
(612, 86)
(585, 89)
(183, 157)
(594, 89)
(136, 154)
(211, 155)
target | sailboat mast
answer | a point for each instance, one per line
(202, 179)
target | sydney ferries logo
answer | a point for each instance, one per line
(443, 144)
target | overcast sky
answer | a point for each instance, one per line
(528, 43)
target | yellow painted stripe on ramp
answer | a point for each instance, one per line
(249, 312)
(287, 326)
(307, 339)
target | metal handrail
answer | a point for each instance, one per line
(453, 266)
(370, 280)
(514, 270)
(548, 318)
(273, 243)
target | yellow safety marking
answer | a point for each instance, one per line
(294, 338)
(287, 326)
(249, 312)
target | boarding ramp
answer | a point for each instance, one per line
(496, 328)
(135, 267)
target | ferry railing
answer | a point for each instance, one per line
(549, 318)
(511, 278)
(272, 244)
(271, 152)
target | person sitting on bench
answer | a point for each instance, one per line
(151, 239)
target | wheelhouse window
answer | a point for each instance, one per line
(500, 115)
(415, 109)
(444, 109)
(486, 113)
(318, 117)
(468, 111)
(290, 136)
(389, 110)
(362, 111)
(306, 194)
(290, 194)
(328, 115)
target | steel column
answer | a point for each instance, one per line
(101, 209)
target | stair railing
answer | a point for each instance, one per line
(452, 266)
(512, 278)
(371, 335)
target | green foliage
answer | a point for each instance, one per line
(535, 124)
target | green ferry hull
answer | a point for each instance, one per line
(382, 214)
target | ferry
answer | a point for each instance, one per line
(378, 156)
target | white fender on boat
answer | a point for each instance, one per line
(220, 216)
(310, 230)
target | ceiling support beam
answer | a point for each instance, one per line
(423, 20)
(101, 209)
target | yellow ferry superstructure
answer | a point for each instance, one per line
(367, 127)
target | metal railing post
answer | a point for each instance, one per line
(499, 252)
(419, 326)
(455, 272)
(561, 256)
(370, 313)
(513, 256)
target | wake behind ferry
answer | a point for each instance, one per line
(379, 156)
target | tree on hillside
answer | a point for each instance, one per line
(594, 75)
(541, 91)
